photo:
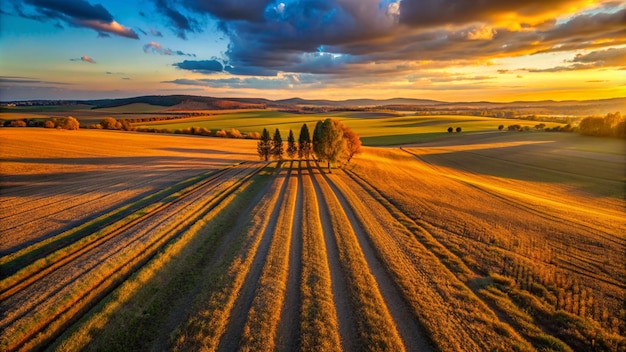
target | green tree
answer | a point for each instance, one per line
(264, 146)
(304, 142)
(277, 146)
(331, 144)
(292, 148)
(317, 135)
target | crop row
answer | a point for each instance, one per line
(530, 267)
(39, 306)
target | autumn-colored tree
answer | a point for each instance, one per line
(592, 126)
(67, 123)
(353, 142)
(277, 146)
(125, 125)
(109, 123)
(304, 143)
(264, 146)
(292, 148)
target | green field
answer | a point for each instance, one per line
(381, 128)
(375, 129)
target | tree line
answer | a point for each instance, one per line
(331, 141)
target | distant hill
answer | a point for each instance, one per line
(200, 102)
(358, 102)
(484, 108)
(183, 102)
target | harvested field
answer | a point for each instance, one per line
(404, 249)
(74, 177)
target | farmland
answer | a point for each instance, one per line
(378, 128)
(485, 241)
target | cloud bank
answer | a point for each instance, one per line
(382, 37)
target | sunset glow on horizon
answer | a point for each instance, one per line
(325, 49)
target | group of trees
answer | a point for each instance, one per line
(109, 123)
(539, 127)
(331, 141)
(611, 125)
(64, 122)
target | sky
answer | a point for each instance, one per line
(450, 50)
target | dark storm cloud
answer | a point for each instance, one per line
(238, 82)
(202, 66)
(439, 12)
(372, 37)
(182, 24)
(248, 10)
(76, 13)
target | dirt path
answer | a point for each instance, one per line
(239, 312)
(345, 316)
(411, 332)
(289, 327)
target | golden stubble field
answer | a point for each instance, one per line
(134, 242)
